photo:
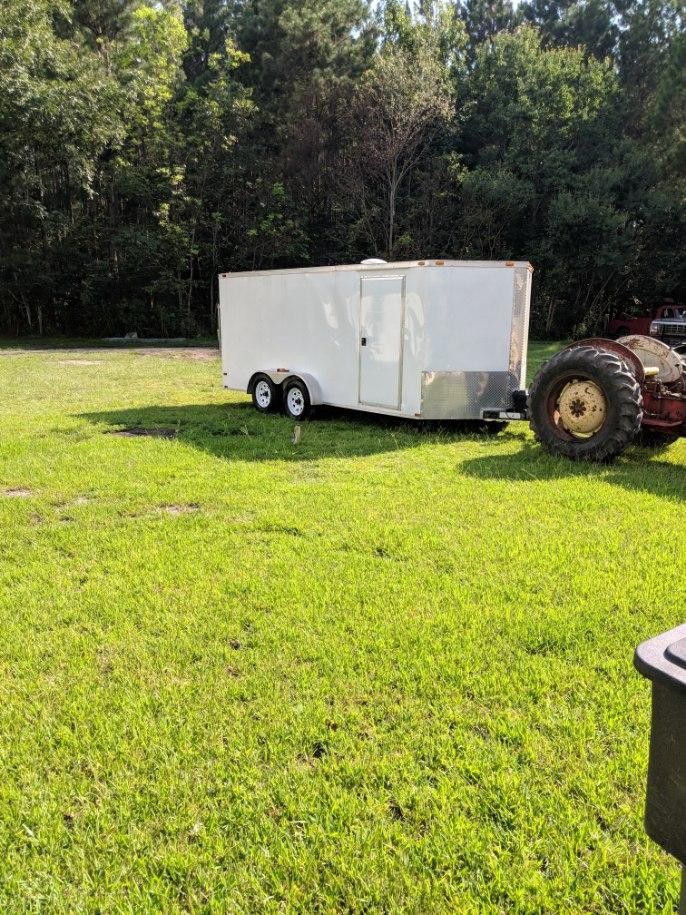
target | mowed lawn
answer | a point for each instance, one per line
(388, 669)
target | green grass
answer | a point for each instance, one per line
(384, 670)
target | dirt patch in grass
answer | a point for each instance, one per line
(76, 501)
(19, 492)
(140, 431)
(180, 509)
(96, 348)
(195, 354)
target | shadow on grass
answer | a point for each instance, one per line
(238, 432)
(638, 469)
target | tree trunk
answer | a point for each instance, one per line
(392, 195)
(191, 264)
(213, 277)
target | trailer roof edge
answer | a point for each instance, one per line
(391, 265)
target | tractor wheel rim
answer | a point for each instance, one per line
(296, 402)
(263, 394)
(582, 407)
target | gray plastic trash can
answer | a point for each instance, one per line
(663, 661)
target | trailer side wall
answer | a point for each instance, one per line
(438, 341)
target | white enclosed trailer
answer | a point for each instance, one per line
(427, 339)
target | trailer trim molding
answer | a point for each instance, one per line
(519, 333)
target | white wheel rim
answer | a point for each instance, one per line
(263, 394)
(582, 407)
(295, 401)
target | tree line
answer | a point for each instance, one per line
(146, 145)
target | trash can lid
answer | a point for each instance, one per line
(663, 658)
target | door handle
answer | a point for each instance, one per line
(363, 341)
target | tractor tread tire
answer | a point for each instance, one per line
(622, 393)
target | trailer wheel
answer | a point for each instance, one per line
(585, 404)
(265, 394)
(296, 399)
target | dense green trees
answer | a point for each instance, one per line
(145, 146)
(540, 171)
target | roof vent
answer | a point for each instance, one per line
(373, 260)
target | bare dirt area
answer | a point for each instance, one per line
(139, 431)
(195, 353)
(203, 353)
(185, 509)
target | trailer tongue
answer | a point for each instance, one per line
(594, 398)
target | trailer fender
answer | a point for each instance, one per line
(313, 388)
(280, 377)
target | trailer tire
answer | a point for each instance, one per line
(265, 394)
(585, 404)
(296, 399)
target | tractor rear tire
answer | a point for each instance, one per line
(585, 404)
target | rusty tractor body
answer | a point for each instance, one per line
(597, 396)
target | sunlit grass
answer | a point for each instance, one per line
(387, 669)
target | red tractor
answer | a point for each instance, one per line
(595, 397)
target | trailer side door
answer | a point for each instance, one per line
(382, 312)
